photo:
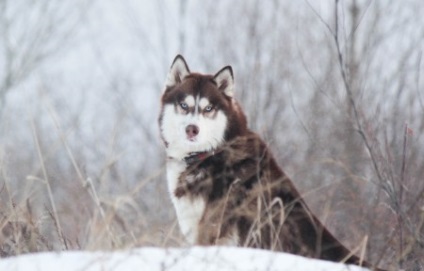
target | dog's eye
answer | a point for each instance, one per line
(208, 108)
(184, 105)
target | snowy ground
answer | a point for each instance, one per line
(152, 259)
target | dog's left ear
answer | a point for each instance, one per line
(225, 80)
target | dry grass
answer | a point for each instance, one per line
(81, 213)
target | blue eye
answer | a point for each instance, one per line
(208, 108)
(184, 105)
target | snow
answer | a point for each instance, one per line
(172, 259)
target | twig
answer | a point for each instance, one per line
(420, 99)
(352, 102)
(302, 124)
(401, 188)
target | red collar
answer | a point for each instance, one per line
(195, 157)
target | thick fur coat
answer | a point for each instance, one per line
(223, 180)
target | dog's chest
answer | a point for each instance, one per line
(189, 209)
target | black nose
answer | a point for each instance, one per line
(192, 131)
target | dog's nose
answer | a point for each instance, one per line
(192, 131)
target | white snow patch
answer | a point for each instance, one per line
(173, 259)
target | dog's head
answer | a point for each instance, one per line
(198, 111)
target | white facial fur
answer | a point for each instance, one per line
(203, 103)
(174, 123)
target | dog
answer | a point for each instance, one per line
(223, 180)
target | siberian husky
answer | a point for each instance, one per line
(224, 183)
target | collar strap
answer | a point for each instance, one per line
(195, 157)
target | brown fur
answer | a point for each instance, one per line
(248, 193)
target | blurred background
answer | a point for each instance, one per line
(334, 87)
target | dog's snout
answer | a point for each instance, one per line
(192, 131)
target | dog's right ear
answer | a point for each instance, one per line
(179, 69)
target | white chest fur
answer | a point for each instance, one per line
(189, 211)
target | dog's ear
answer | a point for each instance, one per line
(179, 69)
(225, 80)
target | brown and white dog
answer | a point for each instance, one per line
(225, 185)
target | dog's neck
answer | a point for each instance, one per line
(195, 157)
